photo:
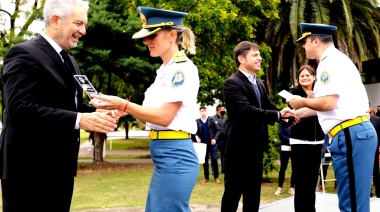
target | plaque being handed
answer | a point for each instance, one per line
(86, 85)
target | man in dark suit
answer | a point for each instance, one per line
(375, 120)
(208, 132)
(43, 112)
(246, 132)
(220, 118)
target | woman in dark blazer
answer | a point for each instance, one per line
(306, 140)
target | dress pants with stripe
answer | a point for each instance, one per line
(352, 151)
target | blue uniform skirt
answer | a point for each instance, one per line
(176, 169)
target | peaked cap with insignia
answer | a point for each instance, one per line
(154, 20)
(309, 29)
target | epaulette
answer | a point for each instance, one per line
(180, 57)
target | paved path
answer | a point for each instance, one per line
(324, 202)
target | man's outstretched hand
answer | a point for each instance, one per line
(97, 121)
(288, 117)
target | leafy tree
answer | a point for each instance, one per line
(219, 26)
(272, 154)
(357, 34)
(114, 62)
(19, 18)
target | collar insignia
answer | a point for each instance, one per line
(180, 57)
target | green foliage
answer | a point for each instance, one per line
(24, 14)
(219, 26)
(114, 62)
(358, 36)
(272, 155)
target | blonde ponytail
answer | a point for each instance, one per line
(188, 38)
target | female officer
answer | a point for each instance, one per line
(169, 109)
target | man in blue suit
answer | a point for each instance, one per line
(208, 132)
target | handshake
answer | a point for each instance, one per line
(288, 117)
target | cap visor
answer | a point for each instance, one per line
(144, 33)
(300, 39)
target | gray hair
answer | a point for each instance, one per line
(62, 8)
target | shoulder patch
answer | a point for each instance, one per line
(178, 79)
(180, 57)
(325, 77)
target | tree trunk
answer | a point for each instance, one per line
(126, 125)
(98, 147)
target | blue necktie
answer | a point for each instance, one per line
(257, 91)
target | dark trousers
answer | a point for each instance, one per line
(221, 147)
(306, 160)
(376, 176)
(242, 178)
(284, 160)
(42, 194)
(212, 150)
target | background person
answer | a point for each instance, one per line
(208, 132)
(221, 119)
(246, 131)
(285, 155)
(342, 110)
(326, 163)
(375, 120)
(43, 111)
(169, 109)
(306, 140)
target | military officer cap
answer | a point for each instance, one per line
(154, 20)
(309, 29)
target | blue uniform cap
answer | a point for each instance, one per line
(315, 29)
(153, 20)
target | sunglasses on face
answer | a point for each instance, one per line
(152, 36)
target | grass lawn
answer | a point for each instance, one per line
(110, 185)
(126, 185)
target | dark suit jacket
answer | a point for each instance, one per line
(213, 130)
(246, 130)
(39, 113)
(375, 120)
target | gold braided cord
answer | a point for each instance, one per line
(306, 34)
(157, 25)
